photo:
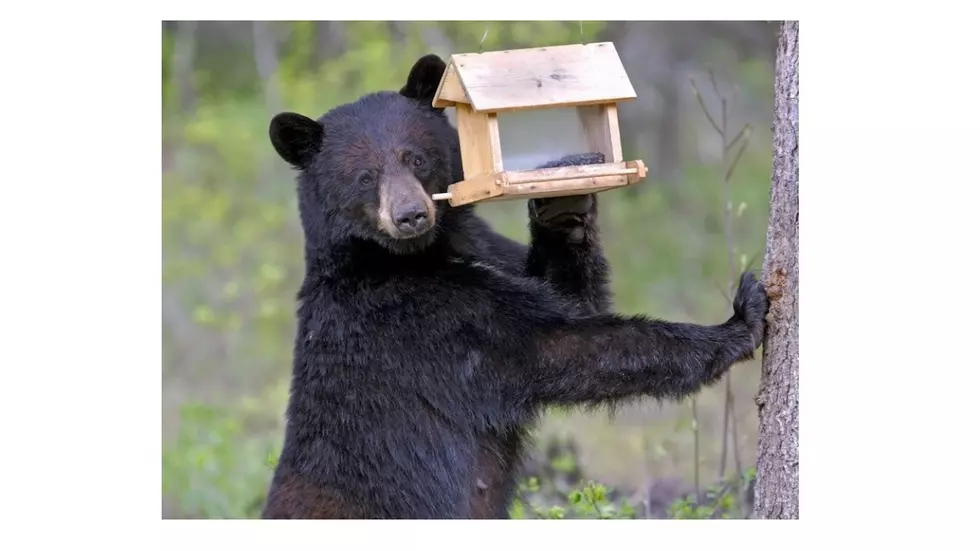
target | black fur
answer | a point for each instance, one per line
(420, 364)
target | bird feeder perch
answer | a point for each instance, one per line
(589, 77)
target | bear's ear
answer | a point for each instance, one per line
(296, 138)
(423, 79)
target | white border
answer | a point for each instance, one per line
(81, 230)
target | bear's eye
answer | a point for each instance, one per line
(365, 179)
(418, 162)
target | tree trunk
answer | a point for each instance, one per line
(184, 56)
(266, 62)
(778, 457)
(331, 41)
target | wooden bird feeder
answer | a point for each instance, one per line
(587, 77)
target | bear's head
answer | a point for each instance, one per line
(368, 169)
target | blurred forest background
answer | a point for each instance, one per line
(232, 245)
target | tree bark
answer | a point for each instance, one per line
(778, 458)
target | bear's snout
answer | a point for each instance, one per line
(411, 219)
(406, 210)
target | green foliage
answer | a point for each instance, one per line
(564, 463)
(213, 469)
(720, 500)
(688, 508)
(588, 501)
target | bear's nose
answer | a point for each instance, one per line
(412, 219)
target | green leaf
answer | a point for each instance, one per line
(204, 315)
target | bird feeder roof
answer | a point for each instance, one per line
(557, 76)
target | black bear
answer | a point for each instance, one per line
(427, 343)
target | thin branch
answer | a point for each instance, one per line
(751, 261)
(725, 293)
(728, 168)
(697, 450)
(714, 83)
(728, 173)
(741, 139)
(724, 122)
(697, 94)
(745, 132)
(595, 505)
(730, 243)
(735, 453)
(645, 439)
(724, 428)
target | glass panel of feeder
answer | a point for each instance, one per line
(532, 138)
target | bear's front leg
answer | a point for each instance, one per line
(565, 247)
(608, 358)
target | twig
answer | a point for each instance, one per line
(741, 138)
(593, 499)
(745, 132)
(697, 94)
(645, 439)
(731, 168)
(724, 124)
(725, 293)
(730, 242)
(697, 450)
(735, 454)
(714, 83)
